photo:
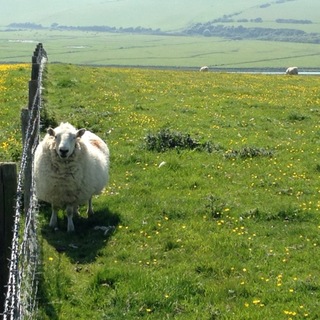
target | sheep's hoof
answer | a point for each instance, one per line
(53, 221)
(70, 229)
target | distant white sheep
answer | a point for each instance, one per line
(292, 70)
(70, 166)
(204, 69)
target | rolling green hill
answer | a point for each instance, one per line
(164, 14)
(246, 34)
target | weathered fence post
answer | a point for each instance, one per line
(34, 99)
(8, 189)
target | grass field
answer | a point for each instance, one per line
(224, 226)
(161, 51)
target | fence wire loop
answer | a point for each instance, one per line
(20, 302)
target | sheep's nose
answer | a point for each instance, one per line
(63, 152)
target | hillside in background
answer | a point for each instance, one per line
(163, 14)
(178, 33)
(166, 15)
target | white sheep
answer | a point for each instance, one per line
(70, 166)
(204, 69)
(292, 70)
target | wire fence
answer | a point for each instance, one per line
(20, 301)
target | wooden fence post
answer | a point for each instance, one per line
(27, 174)
(34, 99)
(8, 189)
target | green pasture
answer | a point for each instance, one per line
(161, 51)
(220, 222)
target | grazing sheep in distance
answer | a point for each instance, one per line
(292, 70)
(204, 69)
(70, 166)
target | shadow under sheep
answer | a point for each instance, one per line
(91, 233)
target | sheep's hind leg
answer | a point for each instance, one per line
(90, 209)
(70, 210)
(76, 212)
(54, 218)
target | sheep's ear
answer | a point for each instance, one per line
(80, 133)
(50, 131)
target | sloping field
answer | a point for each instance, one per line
(164, 14)
(213, 198)
(220, 223)
(273, 10)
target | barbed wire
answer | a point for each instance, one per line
(22, 283)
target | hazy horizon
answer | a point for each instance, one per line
(164, 14)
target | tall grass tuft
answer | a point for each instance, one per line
(167, 139)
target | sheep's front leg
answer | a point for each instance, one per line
(90, 209)
(54, 218)
(70, 210)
